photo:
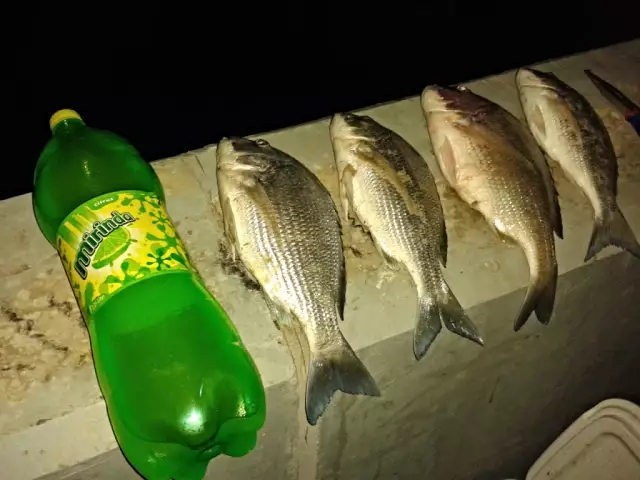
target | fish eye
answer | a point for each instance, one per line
(462, 88)
(262, 143)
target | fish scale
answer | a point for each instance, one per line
(490, 159)
(387, 186)
(285, 229)
(293, 251)
(570, 132)
(399, 223)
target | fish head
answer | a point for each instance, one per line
(351, 134)
(244, 163)
(535, 79)
(349, 126)
(446, 112)
(541, 97)
(243, 155)
(453, 114)
(454, 108)
(457, 102)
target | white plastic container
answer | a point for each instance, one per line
(603, 444)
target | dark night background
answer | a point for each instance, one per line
(171, 77)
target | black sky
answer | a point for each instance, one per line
(177, 76)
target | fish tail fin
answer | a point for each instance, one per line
(332, 369)
(540, 298)
(435, 310)
(612, 229)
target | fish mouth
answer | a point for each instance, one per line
(231, 145)
(433, 100)
(348, 126)
(240, 154)
(227, 146)
(531, 78)
(345, 119)
(446, 99)
(339, 122)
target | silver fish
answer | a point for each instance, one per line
(282, 224)
(387, 187)
(484, 155)
(571, 133)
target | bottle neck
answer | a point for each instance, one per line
(68, 127)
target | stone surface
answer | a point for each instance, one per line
(51, 407)
(488, 413)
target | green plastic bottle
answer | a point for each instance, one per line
(179, 385)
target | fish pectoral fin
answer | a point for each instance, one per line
(346, 192)
(333, 369)
(613, 229)
(346, 196)
(397, 179)
(229, 227)
(447, 161)
(537, 122)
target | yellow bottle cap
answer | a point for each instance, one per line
(61, 116)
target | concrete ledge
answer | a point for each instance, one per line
(462, 412)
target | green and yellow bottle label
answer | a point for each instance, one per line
(115, 240)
